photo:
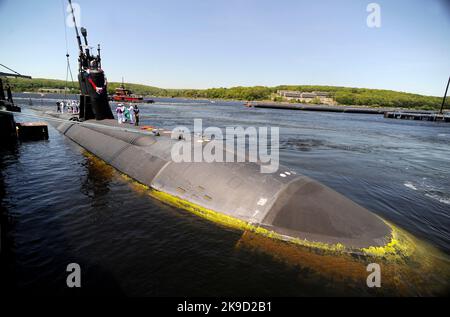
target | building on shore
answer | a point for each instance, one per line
(52, 90)
(307, 97)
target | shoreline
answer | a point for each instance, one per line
(268, 104)
(325, 108)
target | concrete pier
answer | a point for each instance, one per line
(7, 128)
(417, 115)
(295, 106)
(32, 131)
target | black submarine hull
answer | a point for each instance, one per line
(293, 207)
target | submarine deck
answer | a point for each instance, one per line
(294, 206)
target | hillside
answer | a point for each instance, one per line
(342, 95)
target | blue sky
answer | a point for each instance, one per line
(223, 43)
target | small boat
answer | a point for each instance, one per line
(248, 104)
(125, 95)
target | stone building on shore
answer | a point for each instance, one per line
(307, 97)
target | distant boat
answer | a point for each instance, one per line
(122, 94)
(248, 104)
(125, 95)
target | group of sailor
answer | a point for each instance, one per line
(130, 113)
(72, 106)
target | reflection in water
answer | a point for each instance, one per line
(420, 270)
(97, 181)
(426, 272)
(8, 155)
(37, 196)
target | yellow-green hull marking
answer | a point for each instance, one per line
(398, 243)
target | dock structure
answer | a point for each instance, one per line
(442, 116)
(7, 108)
(422, 116)
(32, 131)
(298, 106)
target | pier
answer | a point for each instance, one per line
(443, 116)
(7, 108)
(325, 108)
(32, 131)
(416, 115)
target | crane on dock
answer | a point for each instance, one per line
(7, 101)
(7, 123)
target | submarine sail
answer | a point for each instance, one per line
(91, 77)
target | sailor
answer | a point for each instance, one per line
(119, 111)
(126, 113)
(136, 115)
(131, 111)
(58, 104)
(62, 105)
(123, 112)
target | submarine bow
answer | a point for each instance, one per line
(293, 207)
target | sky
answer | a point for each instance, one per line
(225, 43)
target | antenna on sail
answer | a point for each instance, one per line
(80, 45)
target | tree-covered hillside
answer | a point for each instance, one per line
(342, 95)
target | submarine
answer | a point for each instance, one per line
(289, 207)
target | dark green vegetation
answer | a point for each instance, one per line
(342, 95)
(20, 84)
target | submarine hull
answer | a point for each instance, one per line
(294, 207)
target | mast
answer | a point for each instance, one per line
(445, 96)
(98, 56)
(80, 46)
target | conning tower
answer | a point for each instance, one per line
(91, 77)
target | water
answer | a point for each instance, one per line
(64, 206)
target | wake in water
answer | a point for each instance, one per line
(430, 191)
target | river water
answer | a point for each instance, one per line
(61, 205)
